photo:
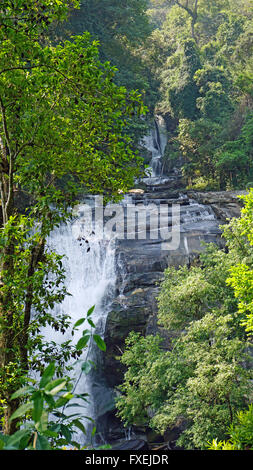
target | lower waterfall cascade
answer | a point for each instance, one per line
(90, 268)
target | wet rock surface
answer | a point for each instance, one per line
(142, 258)
(225, 204)
(141, 264)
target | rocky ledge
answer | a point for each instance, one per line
(225, 204)
(141, 263)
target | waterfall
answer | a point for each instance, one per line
(90, 279)
(95, 268)
(155, 142)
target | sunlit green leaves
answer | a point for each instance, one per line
(22, 410)
(100, 342)
(47, 375)
(41, 433)
(82, 342)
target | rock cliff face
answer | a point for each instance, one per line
(144, 262)
(141, 263)
(225, 204)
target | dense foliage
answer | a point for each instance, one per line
(45, 417)
(63, 124)
(192, 62)
(122, 29)
(202, 55)
(205, 379)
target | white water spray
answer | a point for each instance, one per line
(155, 142)
(90, 279)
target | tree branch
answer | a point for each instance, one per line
(192, 12)
(185, 7)
(196, 7)
(6, 134)
(8, 163)
(37, 253)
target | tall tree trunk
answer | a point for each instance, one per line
(7, 342)
(7, 332)
(193, 12)
(193, 23)
(36, 256)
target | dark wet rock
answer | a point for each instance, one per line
(134, 444)
(172, 434)
(141, 264)
(225, 204)
(130, 312)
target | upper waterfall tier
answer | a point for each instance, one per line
(155, 143)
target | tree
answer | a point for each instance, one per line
(234, 158)
(63, 128)
(191, 7)
(241, 274)
(239, 235)
(206, 88)
(122, 29)
(199, 385)
(181, 89)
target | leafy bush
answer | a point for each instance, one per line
(241, 433)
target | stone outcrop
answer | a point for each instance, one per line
(225, 204)
(141, 263)
(144, 262)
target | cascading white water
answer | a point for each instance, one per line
(90, 279)
(155, 142)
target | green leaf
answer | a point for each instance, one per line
(73, 405)
(83, 396)
(22, 410)
(55, 427)
(90, 311)
(14, 441)
(66, 433)
(42, 443)
(50, 401)
(99, 342)
(87, 366)
(56, 386)
(91, 323)
(79, 425)
(42, 424)
(86, 333)
(61, 402)
(53, 384)
(47, 375)
(37, 407)
(50, 433)
(79, 322)
(82, 343)
(22, 391)
(68, 396)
